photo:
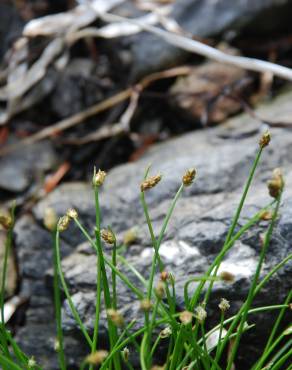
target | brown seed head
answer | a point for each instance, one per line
(224, 305)
(63, 223)
(186, 317)
(6, 221)
(189, 177)
(50, 219)
(98, 178)
(116, 317)
(226, 276)
(157, 367)
(108, 236)
(160, 289)
(97, 357)
(72, 213)
(150, 182)
(265, 139)
(164, 275)
(266, 215)
(146, 305)
(276, 184)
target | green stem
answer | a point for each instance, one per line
(114, 275)
(278, 365)
(132, 268)
(144, 348)
(132, 287)
(98, 276)
(6, 363)
(67, 294)
(8, 244)
(97, 308)
(272, 272)
(281, 351)
(273, 333)
(107, 298)
(252, 289)
(177, 351)
(58, 308)
(155, 346)
(236, 217)
(135, 290)
(222, 253)
(155, 246)
(205, 345)
(219, 337)
(119, 344)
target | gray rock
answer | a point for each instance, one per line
(11, 26)
(78, 87)
(223, 157)
(34, 248)
(16, 170)
(208, 18)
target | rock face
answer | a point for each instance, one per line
(17, 173)
(209, 18)
(10, 26)
(195, 234)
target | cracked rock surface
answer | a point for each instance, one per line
(195, 234)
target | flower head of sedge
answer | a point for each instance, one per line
(266, 215)
(200, 314)
(160, 289)
(265, 139)
(57, 345)
(276, 184)
(166, 332)
(72, 213)
(6, 221)
(189, 177)
(171, 278)
(96, 358)
(126, 353)
(224, 305)
(116, 317)
(50, 218)
(186, 317)
(145, 305)
(108, 236)
(31, 364)
(164, 275)
(150, 182)
(98, 177)
(227, 276)
(63, 223)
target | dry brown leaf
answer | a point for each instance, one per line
(54, 179)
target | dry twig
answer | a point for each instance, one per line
(98, 108)
(197, 47)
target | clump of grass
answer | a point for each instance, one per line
(190, 345)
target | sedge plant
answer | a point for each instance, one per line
(189, 341)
